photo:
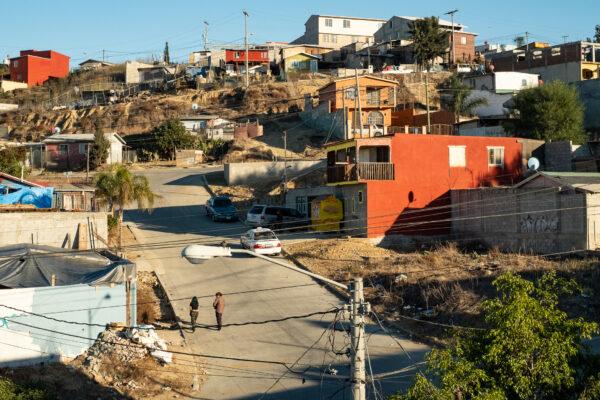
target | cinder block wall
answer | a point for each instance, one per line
(49, 228)
(268, 171)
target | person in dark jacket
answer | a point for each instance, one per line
(194, 305)
(219, 306)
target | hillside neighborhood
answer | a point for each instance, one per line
(390, 208)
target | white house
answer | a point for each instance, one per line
(336, 31)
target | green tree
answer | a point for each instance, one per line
(118, 187)
(170, 136)
(460, 101)
(100, 148)
(519, 41)
(166, 57)
(597, 34)
(549, 112)
(10, 390)
(12, 160)
(429, 41)
(530, 351)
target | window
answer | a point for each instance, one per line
(328, 22)
(264, 54)
(360, 197)
(555, 51)
(350, 93)
(82, 148)
(463, 40)
(16, 64)
(375, 118)
(524, 83)
(236, 54)
(63, 149)
(457, 156)
(496, 156)
(373, 96)
(346, 23)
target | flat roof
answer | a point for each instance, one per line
(346, 17)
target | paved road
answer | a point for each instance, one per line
(244, 361)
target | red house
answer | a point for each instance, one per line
(36, 67)
(399, 184)
(235, 59)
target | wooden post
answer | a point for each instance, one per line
(53, 280)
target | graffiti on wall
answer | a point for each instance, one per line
(538, 223)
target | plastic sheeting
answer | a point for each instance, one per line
(29, 265)
(39, 197)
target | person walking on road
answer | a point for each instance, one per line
(219, 306)
(194, 312)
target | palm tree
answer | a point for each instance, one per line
(460, 102)
(429, 41)
(118, 187)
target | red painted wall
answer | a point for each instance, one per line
(254, 56)
(74, 159)
(422, 167)
(36, 67)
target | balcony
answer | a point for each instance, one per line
(365, 171)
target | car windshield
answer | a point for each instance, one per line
(256, 210)
(264, 235)
(222, 202)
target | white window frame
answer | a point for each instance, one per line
(329, 22)
(498, 161)
(463, 40)
(457, 160)
(346, 23)
(16, 64)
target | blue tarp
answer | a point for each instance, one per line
(39, 197)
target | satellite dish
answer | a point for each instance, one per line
(533, 164)
(56, 130)
(194, 106)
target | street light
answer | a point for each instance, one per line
(358, 307)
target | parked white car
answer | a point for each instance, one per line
(261, 241)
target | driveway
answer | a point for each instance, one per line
(269, 347)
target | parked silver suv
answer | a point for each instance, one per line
(276, 217)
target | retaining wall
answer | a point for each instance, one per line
(267, 171)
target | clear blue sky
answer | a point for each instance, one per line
(130, 29)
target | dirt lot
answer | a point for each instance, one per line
(444, 285)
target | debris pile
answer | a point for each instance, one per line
(127, 347)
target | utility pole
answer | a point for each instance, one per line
(205, 36)
(284, 163)
(451, 14)
(360, 121)
(87, 164)
(358, 308)
(527, 52)
(564, 51)
(103, 57)
(246, 46)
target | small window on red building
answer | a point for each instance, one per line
(16, 64)
(496, 156)
(63, 149)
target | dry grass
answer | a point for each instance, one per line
(445, 284)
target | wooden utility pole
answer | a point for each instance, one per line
(246, 47)
(360, 121)
(284, 163)
(87, 164)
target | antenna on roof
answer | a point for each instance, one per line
(194, 106)
(56, 130)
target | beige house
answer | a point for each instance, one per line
(336, 32)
